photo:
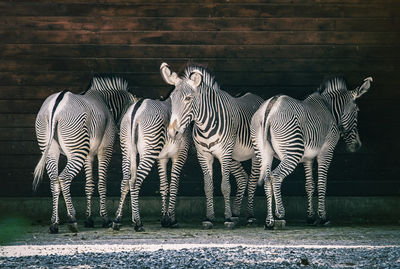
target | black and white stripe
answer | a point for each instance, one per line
(300, 131)
(143, 133)
(79, 126)
(221, 129)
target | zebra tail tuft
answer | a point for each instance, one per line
(39, 170)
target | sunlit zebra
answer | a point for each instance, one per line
(143, 134)
(301, 131)
(79, 126)
(221, 129)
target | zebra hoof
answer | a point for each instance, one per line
(229, 224)
(251, 222)
(269, 225)
(139, 228)
(89, 223)
(165, 222)
(279, 224)
(235, 219)
(207, 224)
(53, 229)
(174, 224)
(116, 226)
(311, 220)
(323, 222)
(106, 223)
(73, 227)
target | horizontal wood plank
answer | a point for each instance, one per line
(130, 24)
(200, 10)
(257, 2)
(117, 65)
(227, 80)
(187, 52)
(199, 38)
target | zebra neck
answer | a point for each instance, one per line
(332, 102)
(209, 117)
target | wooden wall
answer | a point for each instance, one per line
(277, 46)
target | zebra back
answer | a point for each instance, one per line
(114, 92)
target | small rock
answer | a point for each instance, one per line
(304, 261)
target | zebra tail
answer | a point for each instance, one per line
(265, 127)
(134, 138)
(39, 169)
(133, 150)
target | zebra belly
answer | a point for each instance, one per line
(241, 153)
(169, 150)
(94, 145)
(309, 154)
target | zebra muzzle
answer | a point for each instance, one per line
(173, 129)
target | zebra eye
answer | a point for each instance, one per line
(188, 98)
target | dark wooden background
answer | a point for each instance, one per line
(281, 46)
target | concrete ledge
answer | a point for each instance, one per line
(340, 209)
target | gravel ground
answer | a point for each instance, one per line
(189, 246)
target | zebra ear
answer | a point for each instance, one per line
(363, 88)
(168, 76)
(196, 77)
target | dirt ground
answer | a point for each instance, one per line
(189, 246)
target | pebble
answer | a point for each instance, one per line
(238, 257)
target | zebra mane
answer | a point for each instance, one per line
(333, 85)
(107, 84)
(208, 77)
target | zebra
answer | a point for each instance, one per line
(297, 131)
(143, 131)
(221, 129)
(79, 126)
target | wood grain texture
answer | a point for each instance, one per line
(282, 46)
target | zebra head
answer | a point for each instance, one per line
(346, 110)
(182, 98)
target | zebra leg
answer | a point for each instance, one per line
(177, 165)
(276, 183)
(252, 184)
(310, 186)
(144, 167)
(55, 192)
(104, 157)
(75, 142)
(74, 164)
(89, 188)
(126, 177)
(241, 181)
(116, 224)
(324, 161)
(226, 190)
(285, 167)
(206, 162)
(269, 221)
(265, 162)
(162, 171)
(52, 171)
